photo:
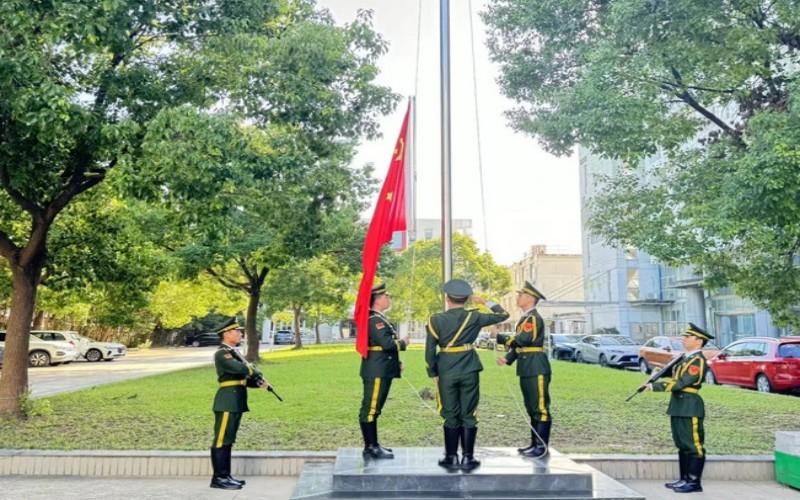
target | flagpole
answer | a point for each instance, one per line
(411, 180)
(444, 58)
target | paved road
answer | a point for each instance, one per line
(82, 374)
(49, 380)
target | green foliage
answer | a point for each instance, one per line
(416, 279)
(32, 407)
(697, 103)
(318, 287)
(322, 390)
(176, 303)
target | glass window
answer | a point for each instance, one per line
(755, 349)
(633, 284)
(651, 343)
(789, 351)
(735, 350)
(677, 345)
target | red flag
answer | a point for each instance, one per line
(389, 216)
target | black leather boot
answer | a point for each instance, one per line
(468, 435)
(693, 474)
(451, 437)
(371, 446)
(228, 450)
(541, 449)
(220, 461)
(683, 465)
(534, 439)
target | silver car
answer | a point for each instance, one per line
(41, 353)
(608, 350)
(94, 350)
(87, 348)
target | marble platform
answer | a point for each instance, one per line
(413, 473)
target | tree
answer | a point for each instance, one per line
(416, 280)
(80, 82)
(317, 287)
(710, 88)
(263, 178)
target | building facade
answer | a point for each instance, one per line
(559, 277)
(628, 290)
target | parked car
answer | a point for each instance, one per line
(2, 353)
(283, 337)
(607, 350)
(659, 351)
(41, 353)
(87, 348)
(762, 363)
(94, 350)
(562, 345)
(203, 339)
(485, 341)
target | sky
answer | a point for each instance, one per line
(530, 197)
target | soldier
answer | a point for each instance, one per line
(687, 410)
(455, 369)
(234, 375)
(533, 368)
(381, 365)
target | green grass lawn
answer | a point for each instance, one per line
(322, 391)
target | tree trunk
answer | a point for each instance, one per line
(38, 320)
(14, 381)
(251, 336)
(298, 341)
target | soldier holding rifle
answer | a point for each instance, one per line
(234, 375)
(687, 410)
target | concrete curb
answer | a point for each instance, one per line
(128, 463)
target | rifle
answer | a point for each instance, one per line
(657, 375)
(258, 377)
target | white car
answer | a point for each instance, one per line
(94, 350)
(41, 353)
(87, 348)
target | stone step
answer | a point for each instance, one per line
(414, 473)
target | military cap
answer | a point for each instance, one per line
(227, 325)
(696, 331)
(531, 290)
(457, 288)
(379, 289)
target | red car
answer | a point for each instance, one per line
(763, 363)
(659, 351)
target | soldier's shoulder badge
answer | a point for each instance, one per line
(380, 325)
(528, 327)
(694, 370)
(228, 356)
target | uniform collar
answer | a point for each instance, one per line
(529, 311)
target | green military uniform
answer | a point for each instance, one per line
(450, 355)
(456, 363)
(381, 365)
(533, 367)
(234, 376)
(526, 348)
(687, 412)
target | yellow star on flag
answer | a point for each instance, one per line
(389, 196)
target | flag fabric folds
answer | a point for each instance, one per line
(389, 216)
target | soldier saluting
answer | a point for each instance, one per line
(381, 365)
(455, 368)
(234, 375)
(533, 368)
